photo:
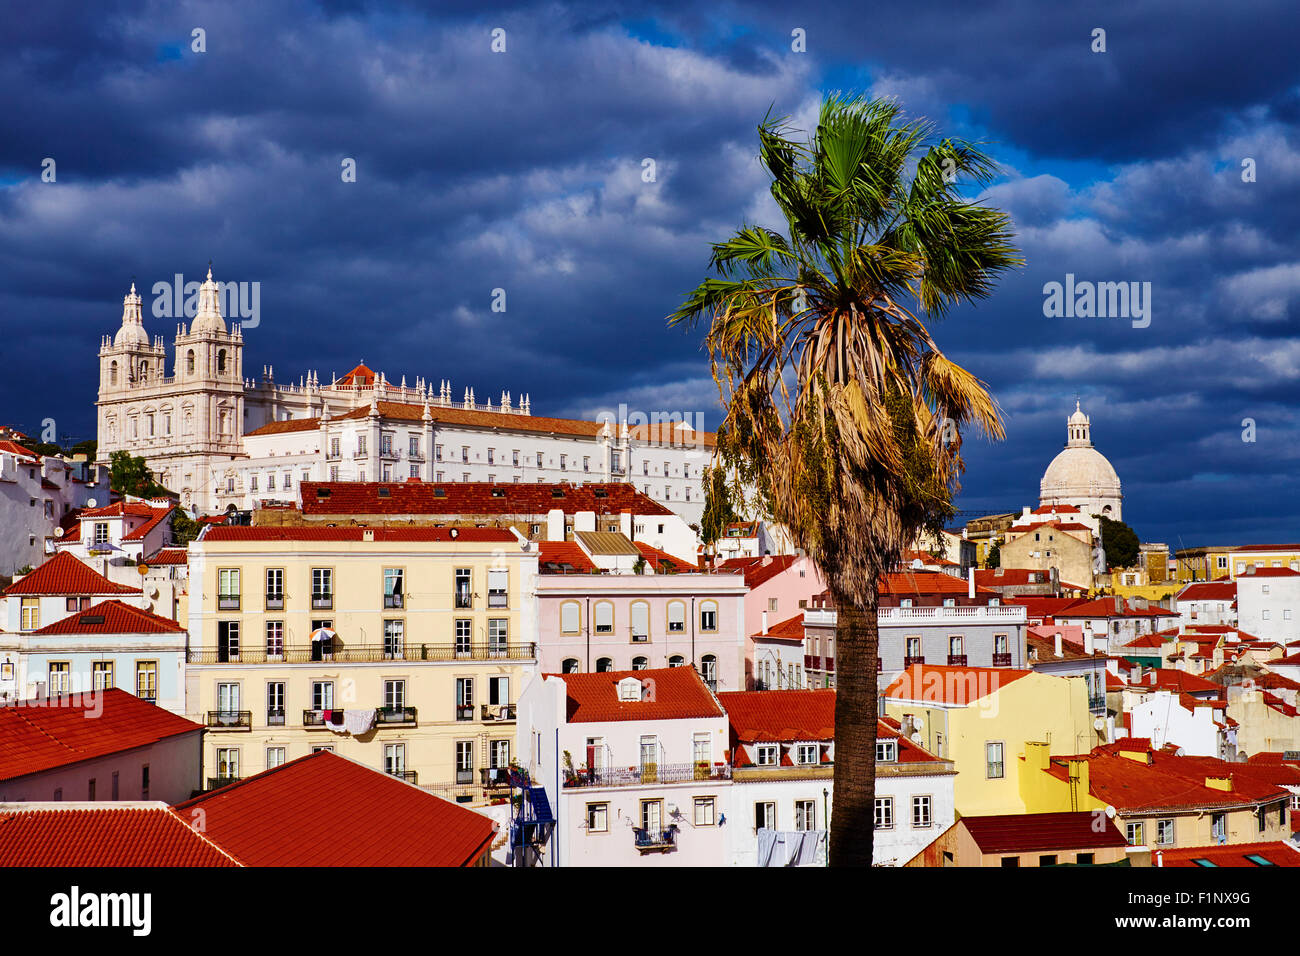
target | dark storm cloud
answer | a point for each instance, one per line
(524, 171)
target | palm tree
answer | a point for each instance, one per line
(843, 419)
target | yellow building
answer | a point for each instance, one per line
(402, 648)
(1211, 563)
(1160, 800)
(982, 718)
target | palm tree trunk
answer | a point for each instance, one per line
(853, 820)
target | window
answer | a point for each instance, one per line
(395, 758)
(640, 622)
(60, 678)
(146, 680)
(361, 447)
(993, 763)
(322, 588)
(805, 815)
(395, 694)
(705, 811)
(498, 586)
(570, 617)
(1083, 859)
(604, 664)
(652, 815)
(765, 816)
(275, 640)
(514, 457)
(101, 532)
(274, 757)
(564, 462)
(597, 817)
(393, 633)
(921, 812)
(765, 755)
(806, 753)
(462, 583)
(464, 761)
(676, 660)
(640, 664)
(884, 813)
(569, 666)
(227, 764)
(275, 704)
(144, 783)
(393, 587)
(539, 459)
(464, 629)
(886, 751)
(227, 641)
(1165, 832)
(322, 695)
(586, 463)
(708, 615)
(709, 670)
(228, 698)
(228, 589)
(274, 589)
(1134, 832)
(498, 636)
(464, 698)
(676, 617)
(955, 646)
(102, 675)
(31, 610)
(1011, 861)
(604, 614)
(913, 647)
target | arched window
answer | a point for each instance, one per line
(112, 373)
(570, 617)
(676, 660)
(144, 371)
(189, 362)
(708, 615)
(570, 666)
(604, 614)
(709, 670)
(639, 663)
(640, 622)
(676, 617)
(604, 664)
(221, 361)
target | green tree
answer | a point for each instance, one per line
(184, 528)
(89, 448)
(841, 411)
(993, 559)
(129, 475)
(1120, 543)
(718, 509)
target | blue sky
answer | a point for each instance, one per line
(522, 171)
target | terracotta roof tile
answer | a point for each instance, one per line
(563, 557)
(64, 574)
(472, 498)
(1037, 832)
(104, 836)
(758, 570)
(678, 693)
(113, 617)
(658, 559)
(958, 686)
(353, 533)
(1276, 853)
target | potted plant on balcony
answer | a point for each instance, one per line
(570, 775)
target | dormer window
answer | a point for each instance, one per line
(629, 688)
(886, 751)
(765, 755)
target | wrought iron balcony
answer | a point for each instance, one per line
(322, 602)
(410, 776)
(217, 782)
(395, 716)
(655, 841)
(227, 602)
(646, 774)
(956, 660)
(275, 717)
(911, 659)
(275, 602)
(230, 719)
(392, 600)
(464, 711)
(337, 652)
(498, 599)
(498, 712)
(1002, 660)
(465, 775)
(494, 777)
(313, 718)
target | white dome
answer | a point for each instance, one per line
(1079, 472)
(131, 335)
(132, 331)
(209, 318)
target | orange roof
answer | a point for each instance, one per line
(1036, 832)
(286, 426)
(159, 515)
(64, 574)
(791, 629)
(224, 532)
(325, 810)
(561, 557)
(1268, 573)
(1056, 509)
(16, 449)
(994, 577)
(472, 498)
(658, 559)
(1163, 678)
(360, 375)
(958, 686)
(1223, 590)
(43, 735)
(678, 693)
(113, 617)
(1277, 853)
(104, 836)
(777, 715)
(758, 570)
(169, 556)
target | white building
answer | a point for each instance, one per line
(1268, 604)
(218, 437)
(116, 539)
(1195, 726)
(1207, 602)
(36, 493)
(633, 763)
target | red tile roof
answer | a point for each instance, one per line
(326, 810)
(678, 693)
(1268, 573)
(1163, 678)
(16, 449)
(1276, 853)
(1039, 832)
(791, 629)
(912, 583)
(286, 426)
(223, 532)
(780, 715)
(1222, 590)
(104, 836)
(555, 554)
(657, 559)
(169, 556)
(1105, 607)
(360, 375)
(1056, 509)
(1058, 525)
(40, 735)
(758, 570)
(64, 574)
(1043, 607)
(113, 617)
(959, 686)
(472, 498)
(159, 515)
(1005, 577)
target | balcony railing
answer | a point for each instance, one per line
(410, 776)
(651, 841)
(1002, 660)
(494, 777)
(392, 600)
(498, 712)
(463, 599)
(216, 782)
(275, 602)
(1007, 614)
(498, 599)
(365, 654)
(464, 711)
(230, 719)
(313, 718)
(275, 718)
(647, 774)
(227, 602)
(911, 659)
(322, 602)
(465, 776)
(395, 716)
(956, 660)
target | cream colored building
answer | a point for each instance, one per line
(402, 648)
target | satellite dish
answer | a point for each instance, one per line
(918, 723)
(1110, 812)
(91, 503)
(916, 737)
(1099, 724)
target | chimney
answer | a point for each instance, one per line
(1059, 650)
(1137, 673)
(555, 524)
(1088, 645)
(1219, 783)
(765, 622)
(1024, 512)
(1119, 604)
(767, 558)
(625, 523)
(970, 588)
(1036, 755)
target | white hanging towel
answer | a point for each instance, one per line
(358, 721)
(811, 840)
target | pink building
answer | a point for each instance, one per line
(780, 586)
(596, 613)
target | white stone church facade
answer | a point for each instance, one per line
(220, 438)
